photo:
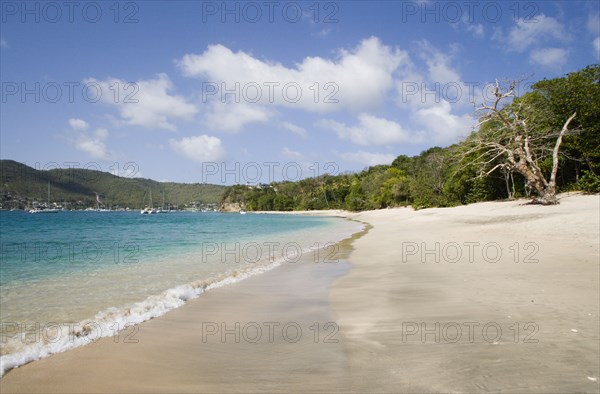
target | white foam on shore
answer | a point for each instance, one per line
(57, 337)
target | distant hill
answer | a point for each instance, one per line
(20, 185)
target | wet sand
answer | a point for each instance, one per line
(483, 318)
(256, 335)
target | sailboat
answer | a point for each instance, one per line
(48, 209)
(163, 210)
(149, 210)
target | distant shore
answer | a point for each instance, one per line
(323, 212)
(494, 296)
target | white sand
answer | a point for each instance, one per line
(382, 295)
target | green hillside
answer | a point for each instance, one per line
(20, 185)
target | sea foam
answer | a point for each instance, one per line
(56, 338)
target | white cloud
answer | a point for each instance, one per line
(441, 125)
(371, 130)
(421, 87)
(468, 25)
(365, 76)
(596, 46)
(477, 29)
(291, 154)
(233, 117)
(438, 64)
(146, 103)
(323, 32)
(357, 78)
(549, 57)
(4, 43)
(527, 33)
(78, 124)
(294, 128)
(101, 133)
(90, 143)
(201, 148)
(368, 158)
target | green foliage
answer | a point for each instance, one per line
(456, 175)
(441, 177)
(429, 179)
(589, 183)
(437, 177)
(78, 188)
(480, 190)
(560, 97)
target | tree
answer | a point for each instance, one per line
(355, 200)
(429, 178)
(515, 138)
(577, 91)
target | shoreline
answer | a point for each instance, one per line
(322, 212)
(288, 305)
(379, 302)
(56, 337)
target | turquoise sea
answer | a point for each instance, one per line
(68, 278)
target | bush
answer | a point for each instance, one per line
(589, 183)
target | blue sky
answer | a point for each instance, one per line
(237, 92)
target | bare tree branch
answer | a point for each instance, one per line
(510, 139)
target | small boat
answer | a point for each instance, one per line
(148, 211)
(163, 210)
(38, 210)
(47, 210)
(242, 211)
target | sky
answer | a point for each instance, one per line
(248, 92)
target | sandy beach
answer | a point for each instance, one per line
(495, 296)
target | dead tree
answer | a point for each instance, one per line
(512, 144)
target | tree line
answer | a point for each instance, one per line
(75, 188)
(536, 145)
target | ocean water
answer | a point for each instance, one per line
(69, 278)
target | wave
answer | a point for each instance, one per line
(57, 338)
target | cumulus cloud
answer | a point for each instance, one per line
(360, 79)
(440, 125)
(549, 57)
(78, 124)
(370, 130)
(294, 128)
(421, 87)
(233, 117)
(291, 154)
(146, 103)
(435, 123)
(438, 64)
(476, 29)
(527, 33)
(356, 79)
(596, 46)
(201, 148)
(368, 158)
(92, 143)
